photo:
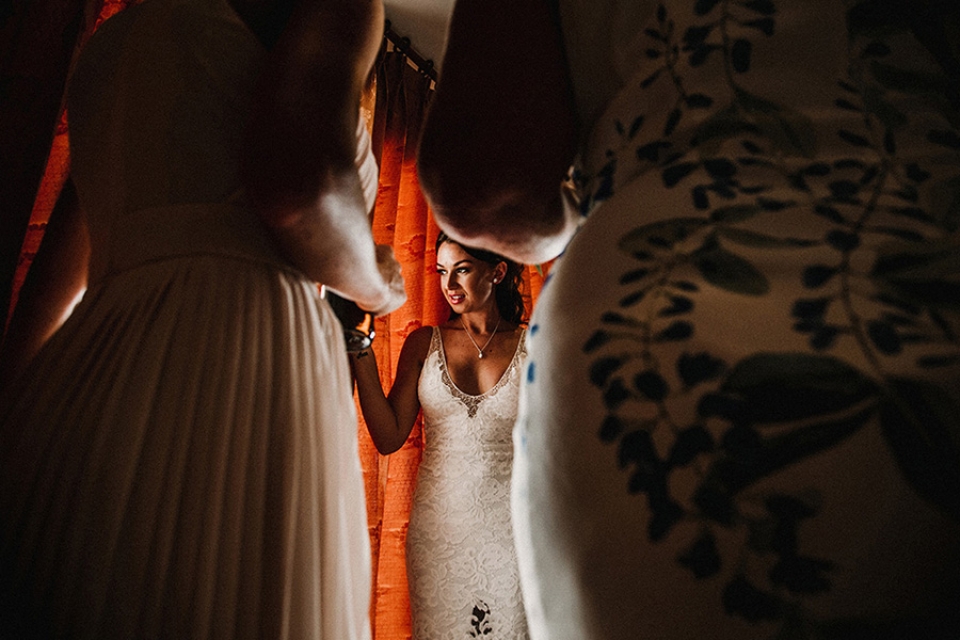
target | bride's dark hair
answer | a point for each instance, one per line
(507, 291)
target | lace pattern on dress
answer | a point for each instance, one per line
(461, 559)
(472, 402)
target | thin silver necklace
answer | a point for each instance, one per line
(489, 340)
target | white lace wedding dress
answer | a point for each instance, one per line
(461, 562)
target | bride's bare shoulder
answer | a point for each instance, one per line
(418, 342)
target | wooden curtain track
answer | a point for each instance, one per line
(402, 44)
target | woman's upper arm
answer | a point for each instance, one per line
(404, 397)
(501, 132)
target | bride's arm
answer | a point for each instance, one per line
(300, 167)
(390, 418)
(501, 131)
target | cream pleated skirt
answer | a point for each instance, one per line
(181, 459)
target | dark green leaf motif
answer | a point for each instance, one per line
(922, 425)
(703, 7)
(880, 276)
(651, 385)
(678, 330)
(728, 271)
(761, 240)
(740, 55)
(689, 444)
(660, 235)
(602, 369)
(734, 213)
(763, 7)
(674, 174)
(927, 273)
(743, 599)
(702, 558)
(696, 368)
(783, 387)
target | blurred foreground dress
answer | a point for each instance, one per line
(180, 461)
(741, 412)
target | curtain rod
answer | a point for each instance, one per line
(403, 45)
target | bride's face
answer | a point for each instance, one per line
(467, 283)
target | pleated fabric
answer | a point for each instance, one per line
(181, 461)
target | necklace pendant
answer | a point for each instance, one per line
(489, 340)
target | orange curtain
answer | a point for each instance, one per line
(401, 219)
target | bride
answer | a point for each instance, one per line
(465, 375)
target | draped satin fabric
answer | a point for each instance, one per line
(402, 219)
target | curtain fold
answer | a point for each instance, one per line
(401, 219)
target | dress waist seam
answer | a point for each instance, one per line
(158, 234)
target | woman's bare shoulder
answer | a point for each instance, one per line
(418, 342)
(423, 333)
